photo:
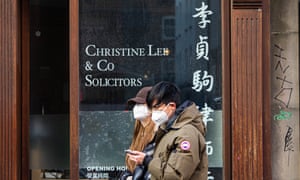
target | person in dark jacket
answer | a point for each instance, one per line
(180, 151)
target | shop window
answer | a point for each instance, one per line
(49, 90)
(126, 45)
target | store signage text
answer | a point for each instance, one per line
(201, 78)
(104, 65)
(102, 171)
(92, 50)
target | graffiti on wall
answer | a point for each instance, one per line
(282, 115)
(284, 94)
(288, 142)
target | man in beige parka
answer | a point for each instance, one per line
(180, 150)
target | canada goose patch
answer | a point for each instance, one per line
(185, 145)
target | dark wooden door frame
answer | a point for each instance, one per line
(265, 99)
(74, 88)
(266, 55)
(226, 88)
(10, 93)
(25, 91)
(25, 38)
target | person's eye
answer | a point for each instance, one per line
(156, 106)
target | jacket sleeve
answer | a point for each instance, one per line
(182, 160)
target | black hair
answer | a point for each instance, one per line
(163, 92)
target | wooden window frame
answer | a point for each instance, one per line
(226, 7)
(226, 90)
(74, 88)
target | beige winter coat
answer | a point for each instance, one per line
(181, 152)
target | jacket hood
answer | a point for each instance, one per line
(187, 113)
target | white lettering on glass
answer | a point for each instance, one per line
(210, 177)
(209, 148)
(206, 110)
(104, 65)
(204, 81)
(202, 14)
(91, 81)
(92, 50)
(202, 48)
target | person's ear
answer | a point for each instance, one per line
(171, 109)
(172, 105)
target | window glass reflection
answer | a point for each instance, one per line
(126, 45)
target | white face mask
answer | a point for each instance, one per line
(159, 117)
(140, 112)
